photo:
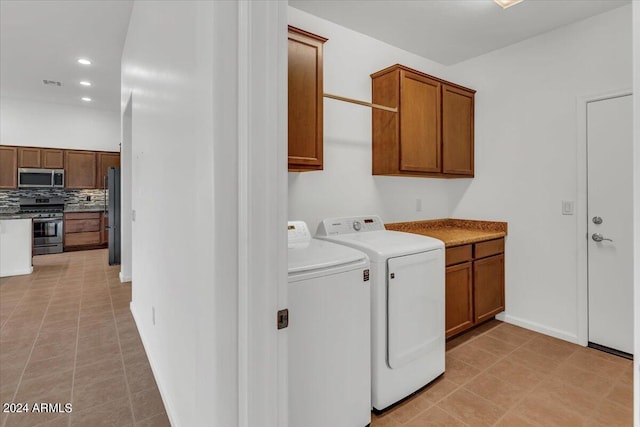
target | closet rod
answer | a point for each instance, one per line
(366, 104)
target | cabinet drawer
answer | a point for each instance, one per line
(491, 247)
(82, 215)
(81, 225)
(81, 239)
(458, 254)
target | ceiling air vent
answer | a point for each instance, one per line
(51, 83)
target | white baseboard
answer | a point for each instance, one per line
(124, 279)
(163, 393)
(537, 327)
(17, 272)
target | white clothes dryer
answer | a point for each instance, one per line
(329, 336)
(407, 304)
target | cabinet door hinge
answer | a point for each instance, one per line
(283, 318)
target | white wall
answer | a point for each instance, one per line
(41, 124)
(208, 160)
(525, 150)
(168, 69)
(526, 156)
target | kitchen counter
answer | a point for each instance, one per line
(92, 208)
(453, 232)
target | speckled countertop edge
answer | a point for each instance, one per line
(453, 231)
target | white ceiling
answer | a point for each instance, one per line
(43, 40)
(451, 31)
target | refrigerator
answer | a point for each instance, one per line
(113, 185)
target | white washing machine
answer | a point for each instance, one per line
(329, 333)
(407, 304)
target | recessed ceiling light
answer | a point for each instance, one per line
(507, 3)
(84, 61)
(86, 99)
(85, 83)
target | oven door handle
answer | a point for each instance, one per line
(46, 219)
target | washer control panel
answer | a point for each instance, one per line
(298, 235)
(348, 225)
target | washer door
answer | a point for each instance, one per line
(415, 306)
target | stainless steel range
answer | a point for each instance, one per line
(47, 214)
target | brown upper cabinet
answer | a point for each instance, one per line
(28, 157)
(8, 167)
(305, 100)
(431, 135)
(80, 170)
(105, 161)
(47, 158)
(52, 158)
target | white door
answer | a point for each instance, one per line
(610, 213)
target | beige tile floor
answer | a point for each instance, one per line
(503, 375)
(67, 335)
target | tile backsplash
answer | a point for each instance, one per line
(72, 198)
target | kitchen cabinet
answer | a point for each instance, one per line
(104, 222)
(28, 157)
(305, 80)
(52, 158)
(431, 135)
(105, 160)
(474, 284)
(80, 170)
(8, 167)
(45, 158)
(83, 230)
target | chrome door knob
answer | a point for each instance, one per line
(597, 237)
(597, 220)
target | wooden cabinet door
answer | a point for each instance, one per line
(104, 222)
(80, 171)
(29, 157)
(488, 287)
(420, 139)
(457, 131)
(8, 167)
(105, 161)
(305, 100)
(459, 299)
(52, 158)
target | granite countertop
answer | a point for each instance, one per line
(453, 232)
(92, 208)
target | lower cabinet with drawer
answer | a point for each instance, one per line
(83, 230)
(474, 284)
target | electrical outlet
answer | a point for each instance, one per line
(418, 205)
(153, 315)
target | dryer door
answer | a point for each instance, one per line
(415, 306)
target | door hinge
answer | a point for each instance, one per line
(283, 318)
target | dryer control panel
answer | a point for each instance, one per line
(349, 225)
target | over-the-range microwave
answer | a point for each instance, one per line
(40, 178)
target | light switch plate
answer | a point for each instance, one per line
(567, 207)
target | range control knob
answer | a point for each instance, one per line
(357, 225)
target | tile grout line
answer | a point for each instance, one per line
(15, 393)
(124, 368)
(12, 311)
(75, 356)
